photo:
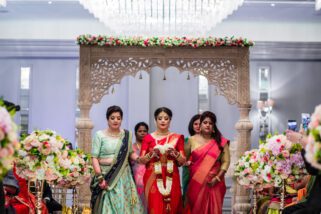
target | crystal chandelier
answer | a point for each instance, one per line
(161, 17)
(317, 4)
(3, 3)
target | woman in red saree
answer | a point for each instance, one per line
(163, 151)
(208, 162)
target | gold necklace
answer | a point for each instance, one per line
(112, 134)
(162, 134)
(138, 146)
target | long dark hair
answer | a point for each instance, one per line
(113, 109)
(216, 134)
(163, 109)
(191, 122)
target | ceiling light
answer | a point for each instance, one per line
(161, 17)
(3, 3)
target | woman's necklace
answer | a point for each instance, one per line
(139, 146)
(115, 135)
(161, 133)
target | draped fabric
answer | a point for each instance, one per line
(154, 199)
(203, 198)
(139, 171)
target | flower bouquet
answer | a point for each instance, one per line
(39, 156)
(247, 170)
(9, 143)
(283, 161)
(75, 168)
(313, 148)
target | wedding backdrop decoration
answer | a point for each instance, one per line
(282, 161)
(165, 42)
(313, 148)
(9, 143)
(104, 61)
(161, 17)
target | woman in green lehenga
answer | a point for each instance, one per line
(113, 187)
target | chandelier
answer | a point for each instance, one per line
(161, 17)
(3, 3)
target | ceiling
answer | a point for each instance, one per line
(259, 10)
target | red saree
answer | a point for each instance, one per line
(201, 197)
(154, 199)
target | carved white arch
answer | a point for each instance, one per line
(225, 67)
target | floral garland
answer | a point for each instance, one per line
(164, 191)
(313, 148)
(165, 42)
(9, 143)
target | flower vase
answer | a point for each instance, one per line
(74, 200)
(282, 196)
(39, 192)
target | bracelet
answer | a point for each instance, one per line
(178, 155)
(100, 178)
(137, 160)
(218, 178)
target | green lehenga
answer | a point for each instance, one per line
(121, 195)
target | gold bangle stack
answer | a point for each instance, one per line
(100, 178)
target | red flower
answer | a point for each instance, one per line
(278, 140)
(46, 144)
(146, 42)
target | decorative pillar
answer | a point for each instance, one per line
(241, 196)
(84, 124)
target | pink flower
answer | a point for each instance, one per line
(2, 135)
(3, 153)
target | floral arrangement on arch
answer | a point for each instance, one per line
(313, 148)
(247, 169)
(282, 161)
(75, 167)
(9, 143)
(165, 42)
(38, 158)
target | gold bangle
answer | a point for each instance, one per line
(100, 179)
(178, 155)
(137, 160)
(218, 178)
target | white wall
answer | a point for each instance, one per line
(176, 93)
